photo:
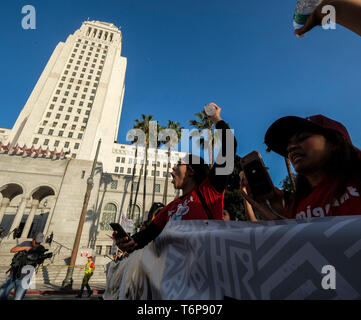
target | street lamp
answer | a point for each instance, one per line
(68, 281)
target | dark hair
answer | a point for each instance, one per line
(201, 169)
(154, 210)
(343, 166)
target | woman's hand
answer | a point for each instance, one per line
(217, 115)
(348, 13)
(125, 244)
(277, 202)
(315, 19)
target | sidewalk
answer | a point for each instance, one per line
(57, 290)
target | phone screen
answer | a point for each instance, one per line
(257, 178)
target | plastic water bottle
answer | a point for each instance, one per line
(304, 8)
(210, 110)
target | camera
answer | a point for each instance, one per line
(37, 255)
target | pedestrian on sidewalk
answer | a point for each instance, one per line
(89, 270)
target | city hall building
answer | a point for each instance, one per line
(47, 157)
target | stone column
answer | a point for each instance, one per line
(4, 204)
(30, 219)
(19, 214)
(51, 212)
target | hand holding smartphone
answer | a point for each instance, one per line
(119, 229)
(119, 234)
(259, 183)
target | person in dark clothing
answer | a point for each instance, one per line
(18, 275)
(203, 190)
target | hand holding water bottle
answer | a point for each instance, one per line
(213, 112)
(309, 14)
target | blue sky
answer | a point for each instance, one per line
(183, 54)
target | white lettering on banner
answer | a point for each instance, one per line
(329, 280)
(322, 212)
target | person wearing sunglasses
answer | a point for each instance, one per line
(202, 188)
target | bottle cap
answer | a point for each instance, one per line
(210, 110)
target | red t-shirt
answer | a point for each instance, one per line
(317, 204)
(189, 207)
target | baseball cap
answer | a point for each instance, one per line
(39, 238)
(281, 131)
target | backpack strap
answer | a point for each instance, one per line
(204, 205)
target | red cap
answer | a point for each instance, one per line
(280, 132)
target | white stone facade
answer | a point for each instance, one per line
(79, 95)
(76, 101)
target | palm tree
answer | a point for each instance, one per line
(290, 174)
(143, 125)
(171, 143)
(159, 128)
(203, 123)
(133, 175)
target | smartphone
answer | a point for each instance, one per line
(259, 180)
(119, 229)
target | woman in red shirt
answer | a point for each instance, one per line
(328, 167)
(203, 190)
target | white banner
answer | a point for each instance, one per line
(318, 258)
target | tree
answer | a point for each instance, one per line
(159, 128)
(233, 200)
(171, 143)
(203, 123)
(144, 125)
(130, 211)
